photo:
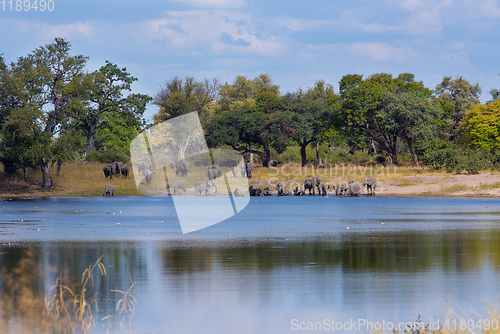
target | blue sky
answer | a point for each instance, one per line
(295, 42)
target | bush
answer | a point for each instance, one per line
(107, 157)
(455, 159)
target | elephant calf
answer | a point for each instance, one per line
(177, 184)
(109, 190)
(239, 192)
(267, 191)
(204, 186)
(299, 191)
(370, 183)
(341, 189)
(354, 188)
(148, 174)
(254, 191)
(323, 188)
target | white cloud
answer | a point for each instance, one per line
(382, 52)
(215, 3)
(490, 8)
(204, 29)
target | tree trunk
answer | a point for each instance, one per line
(47, 178)
(374, 148)
(412, 150)
(59, 165)
(251, 155)
(303, 154)
(25, 172)
(267, 154)
(318, 155)
(91, 132)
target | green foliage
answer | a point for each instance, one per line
(454, 159)
(463, 96)
(108, 157)
(385, 110)
(482, 126)
(182, 96)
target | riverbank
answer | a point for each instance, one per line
(87, 179)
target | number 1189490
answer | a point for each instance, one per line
(26, 5)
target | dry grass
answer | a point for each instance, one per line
(407, 183)
(68, 308)
(485, 186)
(456, 188)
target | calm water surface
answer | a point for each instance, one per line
(304, 258)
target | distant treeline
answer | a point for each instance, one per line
(53, 110)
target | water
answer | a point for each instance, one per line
(279, 263)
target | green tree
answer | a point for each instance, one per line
(482, 126)
(41, 87)
(495, 94)
(462, 95)
(384, 109)
(104, 94)
(182, 96)
(300, 120)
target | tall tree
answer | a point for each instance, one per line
(462, 95)
(104, 93)
(182, 96)
(384, 109)
(300, 120)
(42, 88)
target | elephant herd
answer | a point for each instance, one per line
(313, 184)
(114, 169)
(212, 172)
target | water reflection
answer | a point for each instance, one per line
(350, 271)
(252, 273)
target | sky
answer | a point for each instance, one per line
(295, 42)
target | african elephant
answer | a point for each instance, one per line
(267, 191)
(115, 167)
(204, 186)
(148, 174)
(213, 172)
(280, 187)
(234, 170)
(354, 188)
(243, 170)
(181, 167)
(299, 191)
(341, 189)
(254, 191)
(370, 183)
(311, 183)
(323, 187)
(143, 166)
(177, 184)
(239, 192)
(249, 168)
(125, 171)
(287, 192)
(109, 190)
(108, 172)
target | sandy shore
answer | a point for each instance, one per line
(442, 185)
